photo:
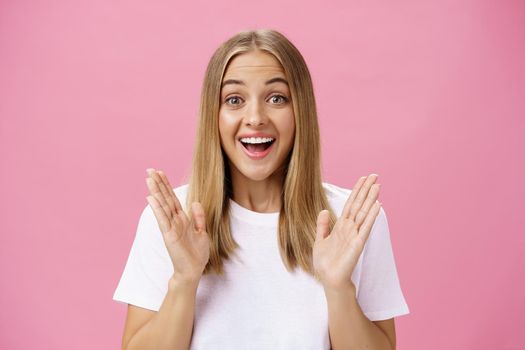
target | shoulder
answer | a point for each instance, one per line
(181, 192)
(337, 197)
(335, 192)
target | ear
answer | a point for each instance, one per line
(323, 223)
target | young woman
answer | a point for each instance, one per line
(256, 251)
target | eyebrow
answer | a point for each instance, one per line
(240, 82)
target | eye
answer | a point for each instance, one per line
(230, 98)
(283, 99)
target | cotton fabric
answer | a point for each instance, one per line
(258, 304)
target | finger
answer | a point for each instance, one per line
(353, 195)
(165, 191)
(373, 194)
(323, 225)
(361, 196)
(162, 219)
(176, 202)
(199, 221)
(159, 196)
(364, 230)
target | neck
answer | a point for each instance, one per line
(263, 196)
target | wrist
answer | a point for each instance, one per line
(340, 290)
(183, 284)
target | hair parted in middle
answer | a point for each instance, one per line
(210, 183)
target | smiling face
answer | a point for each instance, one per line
(256, 118)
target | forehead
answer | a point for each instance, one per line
(254, 61)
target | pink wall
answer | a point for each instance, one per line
(430, 95)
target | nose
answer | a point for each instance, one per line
(256, 115)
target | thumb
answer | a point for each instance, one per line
(323, 223)
(197, 213)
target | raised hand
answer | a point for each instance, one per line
(187, 241)
(335, 254)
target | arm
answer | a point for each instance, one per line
(350, 328)
(335, 256)
(169, 328)
(188, 246)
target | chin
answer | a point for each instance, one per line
(253, 172)
(256, 175)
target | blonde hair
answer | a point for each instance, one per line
(210, 184)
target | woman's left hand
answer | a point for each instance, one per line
(335, 254)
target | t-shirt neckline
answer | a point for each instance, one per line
(250, 216)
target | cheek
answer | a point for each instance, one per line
(287, 129)
(226, 127)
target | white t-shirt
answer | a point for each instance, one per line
(258, 304)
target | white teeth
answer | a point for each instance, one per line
(256, 139)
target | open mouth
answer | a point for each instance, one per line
(257, 144)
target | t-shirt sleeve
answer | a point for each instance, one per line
(379, 293)
(144, 282)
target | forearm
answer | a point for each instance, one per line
(171, 328)
(349, 327)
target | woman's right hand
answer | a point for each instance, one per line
(187, 241)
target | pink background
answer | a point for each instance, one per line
(429, 95)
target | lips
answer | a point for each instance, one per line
(257, 147)
(257, 151)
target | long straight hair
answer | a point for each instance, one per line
(210, 184)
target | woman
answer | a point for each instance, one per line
(263, 254)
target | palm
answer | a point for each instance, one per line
(188, 248)
(186, 240)
(335, 254)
